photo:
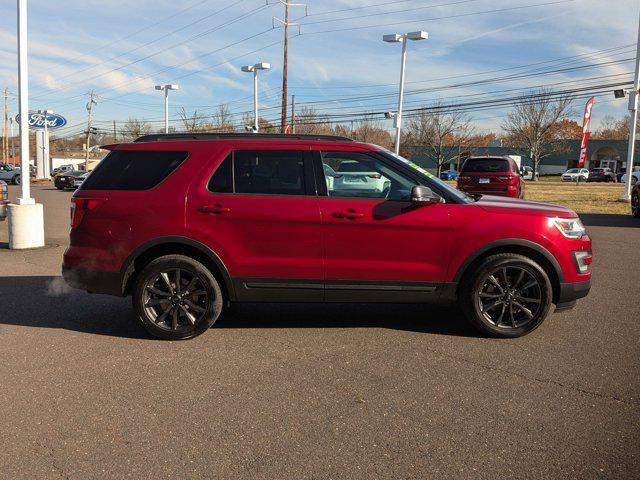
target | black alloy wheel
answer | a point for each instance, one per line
(506, 295)
(176, 297)
(510, 296)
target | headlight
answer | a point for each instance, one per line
(569, 227)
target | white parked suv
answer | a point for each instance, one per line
(351, 176)
(635, 177)
(575, 175)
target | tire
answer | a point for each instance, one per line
(16, 180)
(171, 313)
(494, 310)
(635, 204)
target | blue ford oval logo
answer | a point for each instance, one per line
(39, 120)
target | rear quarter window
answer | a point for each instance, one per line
(133, 170)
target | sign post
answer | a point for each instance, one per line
(44, 120)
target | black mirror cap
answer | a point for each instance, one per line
(424, 195)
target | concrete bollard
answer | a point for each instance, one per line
(26, 226)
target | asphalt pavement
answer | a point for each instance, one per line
(315, 391)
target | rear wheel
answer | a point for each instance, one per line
(507, 295)
(635, 204)
(16, 180)
(176, 297)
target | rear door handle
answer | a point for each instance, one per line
(349, 214)
(214, 209)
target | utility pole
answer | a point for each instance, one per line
(293, 114)
(12, 152)
(5, 132)
(287, 4)
(283, 122)
(90, 104)
(115, 135)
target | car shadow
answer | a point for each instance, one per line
(609, 220)
(47, 302)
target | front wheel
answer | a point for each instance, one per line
(176, 297)
(16, 180)
(635, 204)
(507, 295)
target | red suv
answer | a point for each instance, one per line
(190, 224)
(491, 176)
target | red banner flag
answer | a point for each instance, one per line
(585, 133)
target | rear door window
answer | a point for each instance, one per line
(263, 172)
(485, 165)
(133, 170)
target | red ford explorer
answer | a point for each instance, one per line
(491, 176)
(190, 224)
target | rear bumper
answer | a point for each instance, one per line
(570, 292)
(94, 281)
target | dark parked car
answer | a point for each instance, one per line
(65, 181)
(601, 175)
(491, 176)
(188, 224)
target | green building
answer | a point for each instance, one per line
(600, 153)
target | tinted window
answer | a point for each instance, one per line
(486, 165)
(133, 170)
(275, 172)
(359, 175)
(222, 179)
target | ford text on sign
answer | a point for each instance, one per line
(38, 120)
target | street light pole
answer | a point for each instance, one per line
(23, 99)
(255, 100)
(402, 38)
(166, 89)
(25, 217)
(254, 69)
(633, 111)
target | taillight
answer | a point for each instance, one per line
(79, 206)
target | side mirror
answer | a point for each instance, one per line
(424, 195)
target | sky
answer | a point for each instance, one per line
(338, 63)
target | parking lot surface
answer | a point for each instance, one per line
(315, 391)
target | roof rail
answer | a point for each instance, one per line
(221, 136)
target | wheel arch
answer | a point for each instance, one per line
(175, 244)
(519, 246)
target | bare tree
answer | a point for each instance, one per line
(194, 122)
(441, 132)
(134, 128)
(309, 121)
(369, 130)
(531, 124)
(223, 119)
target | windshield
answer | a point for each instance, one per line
(573, 170)
(463, 197)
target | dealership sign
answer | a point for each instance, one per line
(40, 120)
(585, 133)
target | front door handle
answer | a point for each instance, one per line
(214, 209)
(349, 214)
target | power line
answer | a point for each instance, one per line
(446, 17)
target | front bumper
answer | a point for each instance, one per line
(94, 281)
(570, 292)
